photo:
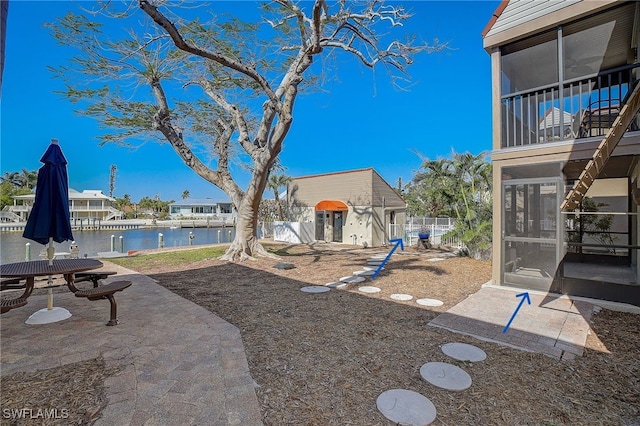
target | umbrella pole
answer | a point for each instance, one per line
(50, 254)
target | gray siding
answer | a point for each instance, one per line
(385, 195)
(519, 12)
(352, 188)
(357, 188)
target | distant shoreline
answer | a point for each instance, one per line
(129, 224)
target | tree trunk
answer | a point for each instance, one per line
(245, 244)
(279, 207)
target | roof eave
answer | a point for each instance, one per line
(495, 17)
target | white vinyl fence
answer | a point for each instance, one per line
(437, 227)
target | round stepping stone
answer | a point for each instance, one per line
(336, 285)
(364, 273)
(446, 376)
(406, 407)
(429, 302)
(401, 297)
(352, 279)
(464, 352)
(315, 289)
(369, 289)
(372, 268)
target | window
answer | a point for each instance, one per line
(201, 209)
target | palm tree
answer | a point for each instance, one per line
(185, 194)
(459, 186)
(112, 179)
(275, 182)
(433, 191)
(472, 176)
(29, 178)
(24, 179)
(12, 177)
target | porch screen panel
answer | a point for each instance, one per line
(529, 63)
(530, 234)
(526, 65)
(600, 42)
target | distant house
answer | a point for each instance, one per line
(555, 125)
(204, 208)
(88, 204)
(353, 207)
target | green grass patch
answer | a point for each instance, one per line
(172, 258)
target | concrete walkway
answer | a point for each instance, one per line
(179, 363)
(554, 325)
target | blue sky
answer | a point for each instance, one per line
(357, 122)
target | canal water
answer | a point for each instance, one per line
(13, 247)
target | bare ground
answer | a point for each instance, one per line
(323, 359)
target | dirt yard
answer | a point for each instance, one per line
(323, 359)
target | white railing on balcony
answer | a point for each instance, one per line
(85, 208)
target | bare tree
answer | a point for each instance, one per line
(238, 81)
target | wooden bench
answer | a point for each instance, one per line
(94, 276)
(105, 292)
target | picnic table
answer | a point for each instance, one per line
(13, 273)
(28, 271)
(42, 268)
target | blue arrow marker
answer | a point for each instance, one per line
(526, 297)
(398, 242)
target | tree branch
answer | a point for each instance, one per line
(241, 124)
(162, 122)
(182, 44)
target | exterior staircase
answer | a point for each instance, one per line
(602, 154)
(114, 214)
(8, 216)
